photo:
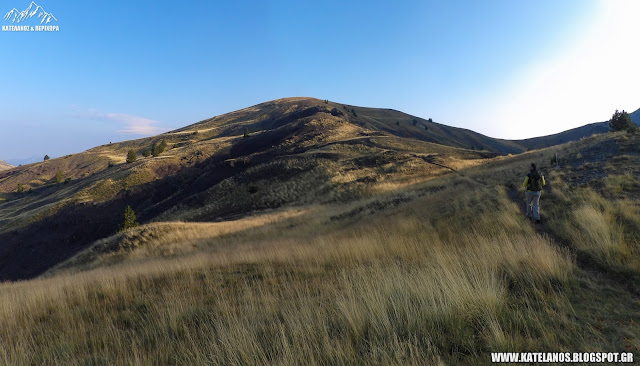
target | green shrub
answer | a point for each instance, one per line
(46, 157)
(131, 156)
(59, 177)
(158, 147)
(620, 121)
(129, 219)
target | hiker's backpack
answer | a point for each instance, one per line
(535, 181)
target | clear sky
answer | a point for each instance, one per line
(119, 70)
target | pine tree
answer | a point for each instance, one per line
(158, 147)
(46, 157)
(131, 156)
(129, 219)
(621, 121)
(59, 177)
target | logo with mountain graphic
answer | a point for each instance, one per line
(35, 11)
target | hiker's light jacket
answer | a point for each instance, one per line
(526, 181)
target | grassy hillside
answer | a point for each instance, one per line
(380, 251)
(573, 134)
(297, 151)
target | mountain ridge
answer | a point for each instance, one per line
(572, 134)
(296, 151)
(281, 153)
(442, 133)
(400, 124)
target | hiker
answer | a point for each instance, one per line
(534, 183)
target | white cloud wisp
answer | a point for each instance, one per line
(131, 124)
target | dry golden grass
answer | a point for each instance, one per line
(607, 231)
(593, 207)
(168, 239)
(393, 289)
(407, 270)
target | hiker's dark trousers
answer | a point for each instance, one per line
(533, 205)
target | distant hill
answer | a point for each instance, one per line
(564, 136)
(384, 121)
(404, 125)
(573, 134)
(290, 151)
(5, 165)
(296, 151)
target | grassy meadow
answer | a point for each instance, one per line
(438, 271)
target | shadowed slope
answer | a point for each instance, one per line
(298, 151)
(287, 152)
(373, 280)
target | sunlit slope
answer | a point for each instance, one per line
(603, 163)
(268, 115)
(5, 166)
(295, 152)
(439, 270)
(289, 152)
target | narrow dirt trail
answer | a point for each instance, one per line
(430, 159)
(583, 262)
(600, 300)
(608, 302)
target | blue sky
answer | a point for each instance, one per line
(119, 70)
